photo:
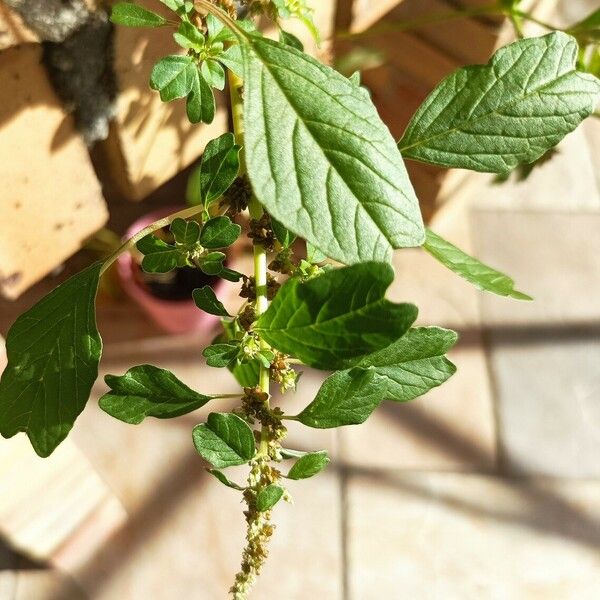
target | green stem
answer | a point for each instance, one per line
(532, 19)
(186, 213)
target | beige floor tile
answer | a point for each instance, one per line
(553, 256)
(468, 537)
(46, 585)
(450, 428)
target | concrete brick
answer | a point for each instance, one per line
(51, 198)
(468, 537)
(150, 141)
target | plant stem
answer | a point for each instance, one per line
(186, 213)
(259, 529)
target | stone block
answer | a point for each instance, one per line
(51, 200)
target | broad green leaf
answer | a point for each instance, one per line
(217, 32)
(219, 168)
(213, 73)
(406, 369)
(220, 355)
(200, 106)
(413, 365)
(206, 300)
(339, 315)
(147, 391)
(284, 236)
(132, 15)
(225, 480)
(469, 268)
(493, 117)
(225, 440)
(309, 465)
(186, 233)
(53, 353)
(247, 374)
(173, 77)
(345, 398)
(219, 232)
(268, 497)
(338, 180)
(313, 254)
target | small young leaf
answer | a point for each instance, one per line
(219, 168)
(212, 263)
(206, 300)
(186, 233)
(469, 268)
(268, 497)
(217, 32)
(288, 453)
(201, 105)
(174, 5)
(340, 175)
(232, 58)
(132, 15)
(160, 257)
(188, 36)
(493, 117)
(224, 440)
(219, 232)
(285, 237)
(313, 254)
(220, 355)
(230, 275)
(173, 77)
(53, 353)
(225, 480)
(214, 74)
(147, 391)
(339, 315)
(289, 39)
(309, 465)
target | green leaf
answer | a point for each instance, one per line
(230, 275)
(186, 233)
(219, 168)
(345, 398)
(469, 268)
(132, 15)
(406, 369)
(174, 5)
(493, 117)
(225, 480)
(201, 105)
(313, 254)
(413, 365)
(224, 440)
(219, 232)
(214, 74)
(220, 355)
(173, 77)
(268, 497)
(160, 257)
(212, 263)
(289, 39)
(188, 36)
(217, 32)
(309, 465)
(339, 315)
(147, 391)
(285, 237)
(206, 300)
(339, 172)
(247, 374)
(53, 353)
(233, 59)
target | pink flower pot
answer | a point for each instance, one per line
(172, 316)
